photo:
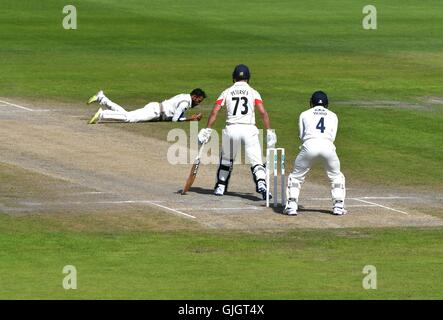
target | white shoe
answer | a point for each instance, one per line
(291, 208)
(96, 97)
(339, 209)
(96, 117)
(220, 190)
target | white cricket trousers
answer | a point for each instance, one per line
(117, 113)
(232, 138)
(322, 150)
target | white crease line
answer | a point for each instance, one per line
(219, 209)
(212, 200)
(359, 205)
(90, 192)
(381, 206)
(347, 206)
(128, 201)
(120, 202)
(385, 198)
(16, 106)
(124, 201)
(151, 203)
(369, 198)
(173, 210)
(156, 202)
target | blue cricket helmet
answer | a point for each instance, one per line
(241, 72)
(319, 98)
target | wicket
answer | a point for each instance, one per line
(275, 169)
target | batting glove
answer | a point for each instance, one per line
(204, 135)
(271, 138)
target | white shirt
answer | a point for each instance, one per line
(176, 106)
(240, 101)
(318, 123)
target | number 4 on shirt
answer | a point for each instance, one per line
(321, 125)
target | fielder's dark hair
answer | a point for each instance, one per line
(198, 92)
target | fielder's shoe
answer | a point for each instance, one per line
(96, 97)
(338, 208)
(291, 208)
(96, 116)
(220, 190)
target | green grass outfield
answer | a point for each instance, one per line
(140, 51)
(118, 264)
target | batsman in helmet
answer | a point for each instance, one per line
(241, 101)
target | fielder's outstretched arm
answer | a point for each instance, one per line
(194, 117)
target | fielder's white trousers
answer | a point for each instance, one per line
(232, 138)
(117, 113)
(321, 150)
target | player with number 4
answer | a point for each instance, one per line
(241, 101)
(318, 128)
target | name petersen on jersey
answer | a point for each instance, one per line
(238, 92)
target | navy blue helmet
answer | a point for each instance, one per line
(319, 98)
(241, 72)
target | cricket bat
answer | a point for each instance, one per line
(194, 170)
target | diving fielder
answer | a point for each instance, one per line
(318, 128)
(240, 101)
(172, 109)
